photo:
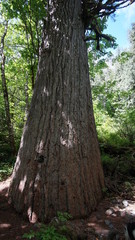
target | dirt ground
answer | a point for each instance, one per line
(109, 219)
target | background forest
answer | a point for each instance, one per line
(112, 80)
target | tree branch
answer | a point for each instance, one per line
(93, 10)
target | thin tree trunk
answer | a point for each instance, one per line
(26, 97)
(58, 167)
(31, 54)
(5, 93)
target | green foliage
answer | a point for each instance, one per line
(23, 9)
(22, 52)
(63, 216)
(29, 235)
(56, 230)
(109, 163)
(123, 57)
(128, 186)
(114, 99)
(104, 44)
(45, 233)
(107, 129)
(126, 125)
(6, 169)
(124, 166)
(107, 160)
(95, 66)
(16, 80)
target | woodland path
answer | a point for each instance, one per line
(111, 214)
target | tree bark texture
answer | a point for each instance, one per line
(5, 94)
(58, 167)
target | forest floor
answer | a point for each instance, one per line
(112, 213)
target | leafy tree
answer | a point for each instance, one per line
(22, 52)
(4, 87)
(113, 94)
(31, 16)
(58, 167)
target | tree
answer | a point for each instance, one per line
(132, 41)
(31, 16)
(58, 167)
(21, 48)
(114, 100)
(5, 92)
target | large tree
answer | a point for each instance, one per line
(58, 166)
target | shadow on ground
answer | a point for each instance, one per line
(12, 226)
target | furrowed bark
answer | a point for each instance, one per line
(58, 167)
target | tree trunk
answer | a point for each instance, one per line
(5, 93)
(26, 97)
(58, 167)
(32, 75)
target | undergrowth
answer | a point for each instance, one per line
(5, 170)
(45, 233)
(56, 230)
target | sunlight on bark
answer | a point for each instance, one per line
(71, 133)
(46, 91)
(5, 225)
(40, 147)
(17, 166)
(22, 184)
(32, 215)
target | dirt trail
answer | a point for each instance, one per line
(109, 216)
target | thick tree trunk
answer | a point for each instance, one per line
(58, 167)
(5, 94)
